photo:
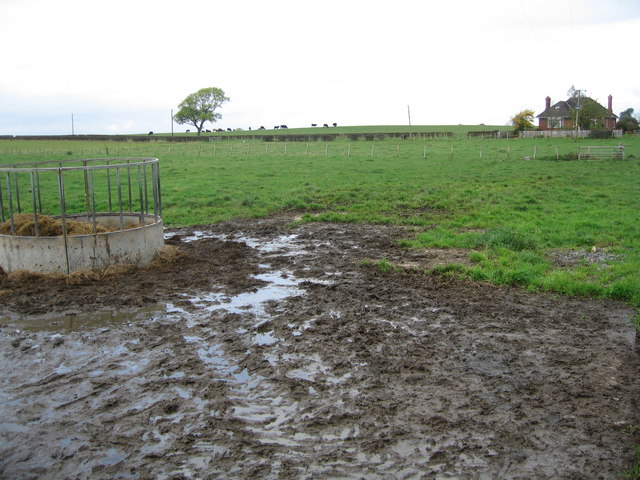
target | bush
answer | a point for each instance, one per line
(599, 133)
(627, 124)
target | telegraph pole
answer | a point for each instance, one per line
(72, 128)
(409, 114)
(577, 114)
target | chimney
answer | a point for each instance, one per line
(547, 103)
(610, 105)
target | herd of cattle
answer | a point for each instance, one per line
(276, 127)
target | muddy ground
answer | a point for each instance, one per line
(275, 351)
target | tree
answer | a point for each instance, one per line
(200, 107)
(522, 120)
(589, 113)
(572, 92)
(627, 122)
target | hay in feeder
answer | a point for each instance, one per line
(24, 224)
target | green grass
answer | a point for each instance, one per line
(633, 473)
(475, 194)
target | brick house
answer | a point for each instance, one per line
(557, 116)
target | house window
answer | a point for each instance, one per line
(555, 122)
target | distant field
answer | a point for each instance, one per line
(455, 129)
(545, 223)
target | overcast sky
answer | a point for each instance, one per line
(122, 66)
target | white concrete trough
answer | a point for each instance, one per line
(129, 188)
(136, 244)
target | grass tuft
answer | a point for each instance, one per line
(502, 238)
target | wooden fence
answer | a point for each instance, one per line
(563, 133)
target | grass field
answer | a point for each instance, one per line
(514, 216)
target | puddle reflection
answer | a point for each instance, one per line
(280, 286)
(81, 321)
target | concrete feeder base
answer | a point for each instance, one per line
(136, 245)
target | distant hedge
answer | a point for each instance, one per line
(324, 137)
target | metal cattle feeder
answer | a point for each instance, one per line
(121, 194)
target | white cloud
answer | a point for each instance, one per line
(125, 65)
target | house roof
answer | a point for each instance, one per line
(562, 109)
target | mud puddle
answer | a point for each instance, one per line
(272, 351)
(76, 321)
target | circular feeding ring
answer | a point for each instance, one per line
(63, 216)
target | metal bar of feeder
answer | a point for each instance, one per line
(154, 186)
(63, 217)
(35, 207)
(15, 177)
(146, 189)
(141, 196)
(92, 201)
(86, 188)
(38, 188)
(1, 205)
(89, 164)
(157, 165)
(109, 186)
(59, 165)
(120, 198)
(129, 185)
(9, 199)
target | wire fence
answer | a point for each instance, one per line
(437, 148)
